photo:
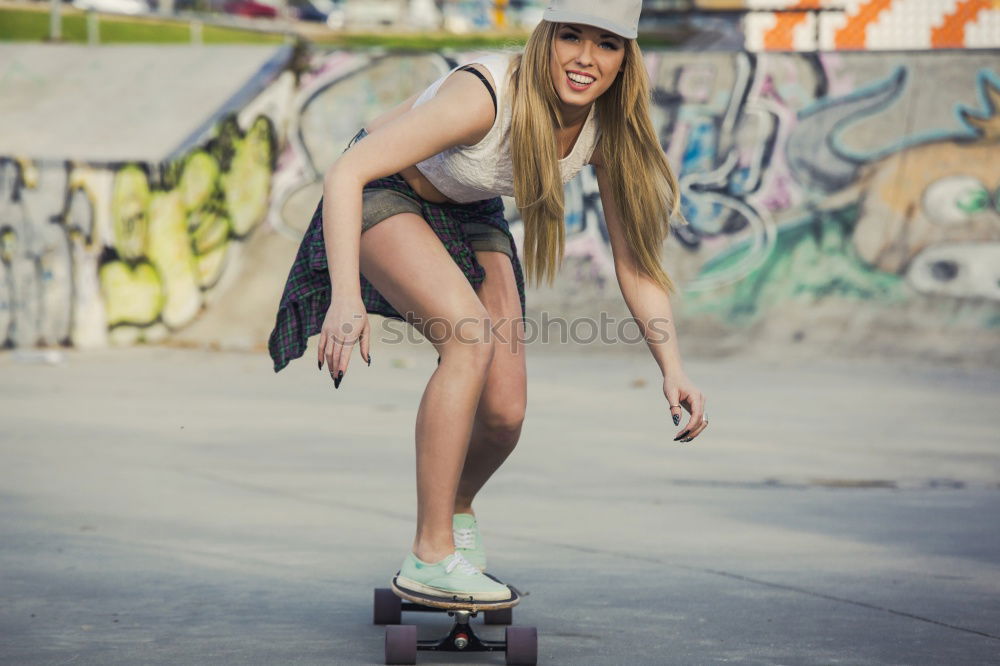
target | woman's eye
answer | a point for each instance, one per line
(567, 35)
(610, 46)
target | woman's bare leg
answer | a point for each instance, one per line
(450, 315)
(501, 407)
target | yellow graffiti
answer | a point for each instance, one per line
(174, 245)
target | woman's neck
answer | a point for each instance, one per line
(567, 135)
(574, 116)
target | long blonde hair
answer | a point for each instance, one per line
(643, 185)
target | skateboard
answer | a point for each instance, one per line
(401, 644)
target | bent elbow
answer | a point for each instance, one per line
(346, 170)
(334, 174)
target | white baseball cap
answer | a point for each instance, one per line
(619, 16)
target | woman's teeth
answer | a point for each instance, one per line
(579, 81)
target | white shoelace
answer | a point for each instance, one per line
(465, 538)
(458, 561)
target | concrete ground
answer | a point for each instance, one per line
(169, 506)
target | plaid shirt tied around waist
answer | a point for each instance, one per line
(306, 297)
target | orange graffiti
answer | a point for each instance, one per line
(951, 33)
(781, 36)
(854, 34)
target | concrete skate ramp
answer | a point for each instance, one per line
(117, 103)
(131, 178)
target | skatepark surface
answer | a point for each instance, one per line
(180, 506)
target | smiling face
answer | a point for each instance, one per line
(585, 61)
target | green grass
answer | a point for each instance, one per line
(32, 25)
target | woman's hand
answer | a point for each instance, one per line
(680, 390)
(345, 323)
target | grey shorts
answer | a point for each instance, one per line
(378, 204)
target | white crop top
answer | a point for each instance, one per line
(484, 170)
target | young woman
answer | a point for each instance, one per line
(411, 226)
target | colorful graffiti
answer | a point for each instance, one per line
(867, 181)
(806, 177)
(810, 177)
(124, 253)
(173, 237)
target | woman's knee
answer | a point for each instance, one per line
(502, 420)
(466, 339)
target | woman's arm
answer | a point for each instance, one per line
(460, 113)
(650, 307)
(646, 300)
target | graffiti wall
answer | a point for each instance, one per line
(842, 183)
(849, 195)
(92, 254)
(871, 181)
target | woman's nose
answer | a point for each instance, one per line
(584, 56)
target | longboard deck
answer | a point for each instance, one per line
(456, 603)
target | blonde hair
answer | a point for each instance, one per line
(642, 183)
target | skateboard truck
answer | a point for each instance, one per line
(462, 637)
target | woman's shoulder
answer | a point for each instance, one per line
(495, 63)
(492, 64)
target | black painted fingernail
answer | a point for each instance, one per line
(319, 365)
(336, 382)
(369, 359)
(683, 434)
(677, 418)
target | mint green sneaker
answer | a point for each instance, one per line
(468, 541)
(451, 576)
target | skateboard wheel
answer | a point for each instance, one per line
(401, 644)
(502, 616)
(522, 646)
(388, 608)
